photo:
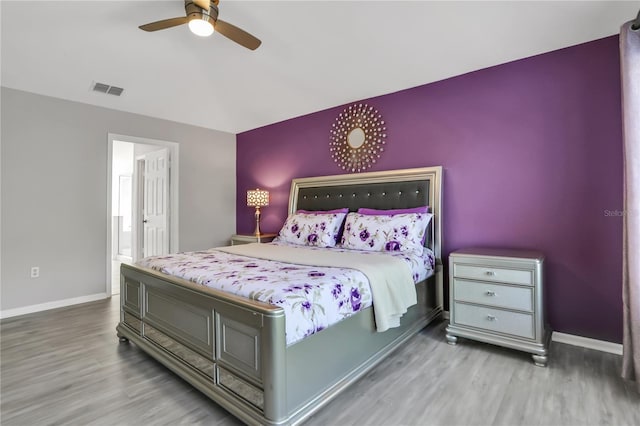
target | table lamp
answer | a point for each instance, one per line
(257, 198)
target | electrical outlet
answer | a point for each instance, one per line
(35, 271)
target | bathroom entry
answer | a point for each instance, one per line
(143, 202)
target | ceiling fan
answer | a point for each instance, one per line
(202, 17)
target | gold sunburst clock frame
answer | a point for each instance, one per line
(357, 138)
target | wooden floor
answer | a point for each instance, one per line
(66, 367)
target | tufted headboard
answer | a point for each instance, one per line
(391, 189)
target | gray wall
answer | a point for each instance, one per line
(54, 192)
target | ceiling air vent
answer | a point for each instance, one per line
(105, 88)
(113, 90)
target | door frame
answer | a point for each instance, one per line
(174, 151)
(138, 203)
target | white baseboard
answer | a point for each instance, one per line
(571, 339)
(585, 342)
(8, 313)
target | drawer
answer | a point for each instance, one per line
(132, 322)
(514, 323)
(513, 276)
(502, 296)
(241, 388)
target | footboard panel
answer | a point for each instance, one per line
(172, 313)
(217, 343)
(240, 340)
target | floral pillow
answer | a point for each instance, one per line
(400, 232)
(309, 229)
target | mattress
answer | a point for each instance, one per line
(313, 298)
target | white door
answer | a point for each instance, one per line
(155, 208)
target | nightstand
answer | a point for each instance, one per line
(496, 296)
(252, 238)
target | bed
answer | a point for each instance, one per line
(234, 349)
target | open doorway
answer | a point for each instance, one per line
(142, 202)
(121, 209)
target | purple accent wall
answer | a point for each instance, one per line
(532, 157)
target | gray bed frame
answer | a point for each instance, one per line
(233, 349)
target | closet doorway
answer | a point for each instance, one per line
(142, 202)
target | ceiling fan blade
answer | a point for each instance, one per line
(202, 4)
(165, 23)
(236, 34)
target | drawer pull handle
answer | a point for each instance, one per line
(490, 293)
(490, 273)
(491, 318)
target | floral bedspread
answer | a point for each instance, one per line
(312, 298)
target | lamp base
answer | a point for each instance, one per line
(257, 216)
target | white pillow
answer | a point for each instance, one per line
(401, 232)
(309, 229)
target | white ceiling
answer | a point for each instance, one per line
(314, 54)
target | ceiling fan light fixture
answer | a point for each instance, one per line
(202, 17)
(201, 26)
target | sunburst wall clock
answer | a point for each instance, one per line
(357, 138)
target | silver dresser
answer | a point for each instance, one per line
(496, 296)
